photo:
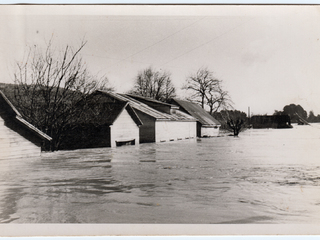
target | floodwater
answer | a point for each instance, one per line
(262, 176)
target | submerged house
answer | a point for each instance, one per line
(207, 126)
(18, 138)
(271, 121)
(160, 121)
(105, 123)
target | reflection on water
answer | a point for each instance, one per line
(262, 176)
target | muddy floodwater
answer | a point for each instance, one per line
(262, 176)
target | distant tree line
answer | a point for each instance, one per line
(295, 112)
(313, 118)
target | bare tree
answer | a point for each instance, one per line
(154, 84)
(235, 126)
(200, 84)
(206, 90)
(49, 85)
(218, 99)
(234, 121)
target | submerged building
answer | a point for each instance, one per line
(271, 121)
(207, 126)
(161, 122)
(18, 138)
(105, 123)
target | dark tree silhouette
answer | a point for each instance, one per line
(206, 90)
(232, 120)
(235, 125)
(154, 84)
(295, 112)
(312, 117)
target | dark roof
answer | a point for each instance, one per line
(197, 112)
(116, 112)
(109, 115)
(11, 113)
(134, 115)
(99, 110)
(137, 105)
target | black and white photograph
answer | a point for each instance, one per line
(160, 114)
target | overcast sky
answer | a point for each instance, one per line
(267, 56)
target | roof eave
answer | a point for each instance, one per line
(33, 128)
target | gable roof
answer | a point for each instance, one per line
(137, 105)
(11, 113)
(99, 109)
(130, 111)
(196, 111)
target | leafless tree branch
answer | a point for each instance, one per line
(154, 84)
(49, 86)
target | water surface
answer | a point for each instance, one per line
(262, 176)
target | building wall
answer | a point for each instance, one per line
(147, 132)
(86, 136)
(13, 145)
(175, 130)
(209, 132)
(124, 129)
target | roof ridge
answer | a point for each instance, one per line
(149, 99)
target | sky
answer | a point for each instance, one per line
(267, 56)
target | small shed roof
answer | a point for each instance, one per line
(10, 112)
(196, 111)
(136, 104)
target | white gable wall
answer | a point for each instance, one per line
(13, 145)
(209, 132)
(175, 130)
(124, 129)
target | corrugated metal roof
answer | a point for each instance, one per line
(148, 99)
(135, 104)
(196, 111)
